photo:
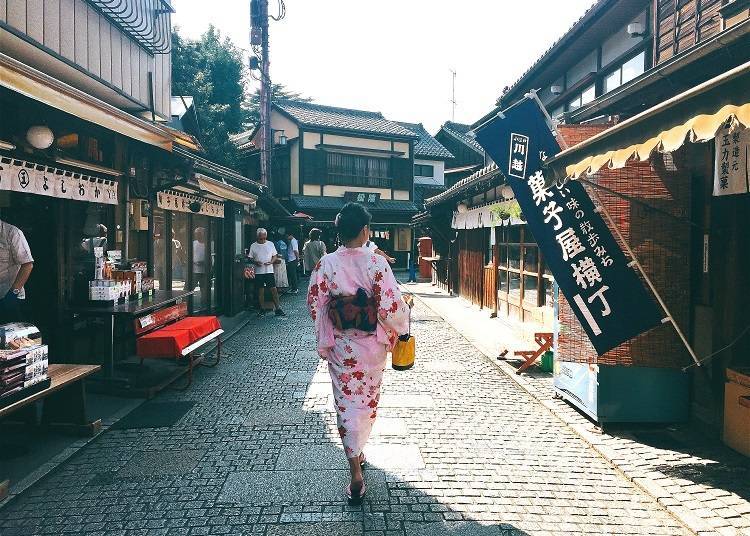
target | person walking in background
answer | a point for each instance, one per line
(358, 310)
(199, 262)
(313, 250)
(279, 268)
(263, 255)
(292, 263)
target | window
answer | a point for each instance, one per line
(620, 42)
(522, 283)
(355, 170)
(424, 170)
(201, 263)
(160, 249)
(179, 250)
(583, 98)
(626, 72)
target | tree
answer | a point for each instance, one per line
(211, 70)
(278, 92)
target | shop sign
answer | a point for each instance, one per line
(368, 198)
(194, 204)
(732, 165)
(590, 269)
(28, 177)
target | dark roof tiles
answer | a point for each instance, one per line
(317, 115)
(426, 146)
(461, 132)
(305, 202)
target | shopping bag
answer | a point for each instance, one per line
(402, 356)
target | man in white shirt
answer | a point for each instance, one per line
(16, 264)
(292, 263)
(263, 255)
(199, 261)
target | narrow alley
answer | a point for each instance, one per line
(252, 448)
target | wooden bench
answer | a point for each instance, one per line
(171, 334)
(64, 405)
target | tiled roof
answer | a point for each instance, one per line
(591, 12)
(425, 191)
(426, 146)
(317, 115)
(486, 173)
(461, 133)
(308, 202)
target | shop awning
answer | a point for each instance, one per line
(225, 191)
(694, 116)
(36, 85)
(486, 216)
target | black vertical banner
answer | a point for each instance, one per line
(588, 265)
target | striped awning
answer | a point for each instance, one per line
(694, 116)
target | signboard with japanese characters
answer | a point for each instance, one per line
(732, 170)
(28, 177)
(367, 198)
(184, 202)
(590, 269)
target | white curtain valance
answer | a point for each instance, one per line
(40, 179)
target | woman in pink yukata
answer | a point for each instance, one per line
(359, 313)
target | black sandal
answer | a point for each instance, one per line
(355, 500)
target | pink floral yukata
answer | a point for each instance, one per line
(356, 359)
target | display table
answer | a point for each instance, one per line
(128, 311)
(64, 405)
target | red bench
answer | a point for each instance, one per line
(170, 334)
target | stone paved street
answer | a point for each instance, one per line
(458, 449)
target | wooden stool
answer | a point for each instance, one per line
(544, 340)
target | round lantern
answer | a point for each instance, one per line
(40, 136)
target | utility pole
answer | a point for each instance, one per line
(453, 96)
(259, 36)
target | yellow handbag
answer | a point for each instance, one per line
(402, 357)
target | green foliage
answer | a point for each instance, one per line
(278, 92)
(507, 211)
(211, 69)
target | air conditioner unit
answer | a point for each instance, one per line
(139, 211)
(635, 29)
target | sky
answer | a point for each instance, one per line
(396, 56)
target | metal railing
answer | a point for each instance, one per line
(146, 21)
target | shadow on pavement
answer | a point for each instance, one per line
(683, 452)
(257, 452)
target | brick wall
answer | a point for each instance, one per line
(661, 240)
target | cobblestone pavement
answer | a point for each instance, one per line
(697, 479)
(458, 449)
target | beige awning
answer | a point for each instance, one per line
(36, 85)
(225, 191)
(694, 116)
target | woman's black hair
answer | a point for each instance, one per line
(315, 234)
(351, 220)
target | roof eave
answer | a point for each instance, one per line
(593, 12)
